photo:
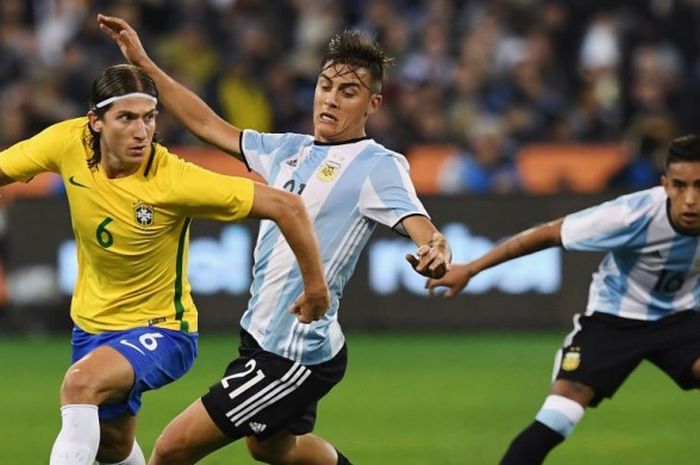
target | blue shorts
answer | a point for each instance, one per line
(158, 356)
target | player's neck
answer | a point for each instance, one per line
(685, 230)
(341, 137)
(115, 167)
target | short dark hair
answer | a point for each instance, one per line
(358, 50)
(684, 149)
(112, 82)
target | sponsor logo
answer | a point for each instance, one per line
(76, 183)
(328, 171)
(143, 214)
(572, 359)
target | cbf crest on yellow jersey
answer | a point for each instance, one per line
(143, 214)
(132, 232)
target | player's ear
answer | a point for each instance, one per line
(375, 101)
(94, 121)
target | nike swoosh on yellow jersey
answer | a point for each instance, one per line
(76, 183)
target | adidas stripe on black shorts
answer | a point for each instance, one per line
(262, 393)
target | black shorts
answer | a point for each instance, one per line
(262, 393)
(604, 349)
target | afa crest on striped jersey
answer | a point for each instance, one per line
(328, 171)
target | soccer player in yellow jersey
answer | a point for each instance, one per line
(131, 204)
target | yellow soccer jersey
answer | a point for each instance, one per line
(132, 233)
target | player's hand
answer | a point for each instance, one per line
(432, 259)
(454, 280)
(126, 38)
(311, 305)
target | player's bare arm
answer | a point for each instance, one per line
(456, 279)
(524, 243)
(433, 257)
(288, 211)
(184, 104)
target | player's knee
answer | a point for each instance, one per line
(171, 448)
(115, 451)
(264, 453)
(167, 451)
(116, 443)
(696, 370)
(78, 387)
(259, 452)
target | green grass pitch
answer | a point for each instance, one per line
(405, 400)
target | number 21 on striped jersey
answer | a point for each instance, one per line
(259, 375)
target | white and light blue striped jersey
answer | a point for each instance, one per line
(651, 270)
(347, 188)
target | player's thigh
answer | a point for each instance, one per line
(157, 355)
(154, 357)
(696, 370)
(258, 395)
(600, 353)
(262, 393)
(271, 448)
(103, 375)
(677, 348)
(578, 392)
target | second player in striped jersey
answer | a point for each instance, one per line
(643, 300)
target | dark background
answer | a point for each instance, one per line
(38, 226)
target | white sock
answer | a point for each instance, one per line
(79, 438)
(135, 458)
(560, 414)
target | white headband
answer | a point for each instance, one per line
(107, 101)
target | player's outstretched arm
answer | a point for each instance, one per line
(433, 257)
(288, 211)
(187, 107)
(524, 243)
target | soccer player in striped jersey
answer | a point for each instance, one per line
(131, 204)
(349, 183)
(643, 300)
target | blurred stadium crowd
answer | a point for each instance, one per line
(484, 76)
